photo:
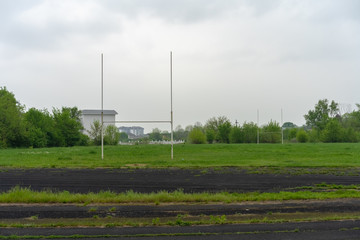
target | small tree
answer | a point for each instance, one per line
(236, 135)
(218, 129)
(196, 136)
(250, 132)
(322, 114)
(12, 129)
(112, 135)
(124, 137)
(155, 135)
(302, 136)
(68, 125)
(95, 132)
(271, 133)
(333, 132)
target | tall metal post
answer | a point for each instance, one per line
(102, 106)
(258, 128)
(282, 130)
(172, 116)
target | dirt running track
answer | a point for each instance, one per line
(17, 211)
(153, 180)
(296, 231)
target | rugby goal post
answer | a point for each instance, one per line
(171, 121)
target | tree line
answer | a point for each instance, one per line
(324, 123)
(41, 128)
(63, 128)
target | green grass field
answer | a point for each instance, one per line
(187, 156)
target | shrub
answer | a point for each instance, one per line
(112, 135)
(236, 135)
(210, 135)
(271, 133)
(333, 132)
(302, 136)
(196, 136)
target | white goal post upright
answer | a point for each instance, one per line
(102, 106)
(171, 110)
(165, 121)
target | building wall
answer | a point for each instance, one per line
(88, 120)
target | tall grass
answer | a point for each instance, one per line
(187, 155)
(26, 195)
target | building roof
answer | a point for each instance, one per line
(98, 112)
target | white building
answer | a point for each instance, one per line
(88, 117)
(134, 130)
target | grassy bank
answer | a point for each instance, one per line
(25, 195)
(186, 155)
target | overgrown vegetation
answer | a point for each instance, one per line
(26, 195)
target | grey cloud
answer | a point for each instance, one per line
(21, 35)
(174, 11)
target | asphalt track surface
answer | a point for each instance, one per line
(308, 230)
(198, 180)
(17, 211)
(154, 180)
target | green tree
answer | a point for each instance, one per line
(322, 114)
(12, 129)
(350, 135)
(112, 135)
(352, 120)
(333, 131)
(236, 135)
(271, 133)
(250, 132)
(290, 134)
(314, 135)
(197, 136)
(40, 128)
(288, 125)
(218, 129)
(68, 125)
(95, 132)
(155, 135)
(124, 137)
(302, 136)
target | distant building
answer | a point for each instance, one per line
(132, 131)
(88, 117)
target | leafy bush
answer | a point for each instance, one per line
(196, 136)
(236, 135)
(210, 135)
(302, 136)
(250, 132)
(112, 135)
(271, 133)
(333, 132)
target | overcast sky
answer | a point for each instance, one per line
(230, 57)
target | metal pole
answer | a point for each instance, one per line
(282, 130)
(258, 133)
(102, 107)
(172, 116)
